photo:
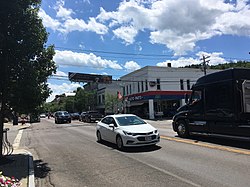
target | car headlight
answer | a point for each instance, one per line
(128, 133)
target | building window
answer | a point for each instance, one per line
(188, 84)
(123, 90)
(158, 84)
(138, 87)
(99, 99)
(181, 84)
(103, 98)
(127, 90)
(146, 84)
(130, 89)
(142, 86)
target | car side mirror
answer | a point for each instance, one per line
(112, 126)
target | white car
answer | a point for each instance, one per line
(126, 130)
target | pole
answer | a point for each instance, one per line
(205, 60)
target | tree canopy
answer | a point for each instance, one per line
(26, 62)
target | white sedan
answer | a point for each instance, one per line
(126, 130)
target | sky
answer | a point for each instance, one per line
(112, 37)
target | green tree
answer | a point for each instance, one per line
(25, 61)
(111, 103)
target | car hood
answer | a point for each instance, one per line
(138, 128)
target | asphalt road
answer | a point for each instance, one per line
(68, 155)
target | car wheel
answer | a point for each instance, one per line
(99, 136)
(69, 121)
(182, 129)
(56, 121)
(119, 142)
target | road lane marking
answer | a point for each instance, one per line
(187, 181)
(223, 148)
(18, 139)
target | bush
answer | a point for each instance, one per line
(8, 182)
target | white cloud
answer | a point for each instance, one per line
(65, 23)
(132, 66)
(48, 21)
(176, 24)
(82, 59)
(126, 33)
(61, 89)
(63, 12)
(215, 59)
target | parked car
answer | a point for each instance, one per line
(62, 116)
(92, 116)
(82, 116)
(126, 130)
(43, 115)
(74, 115)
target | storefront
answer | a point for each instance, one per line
(154, 104)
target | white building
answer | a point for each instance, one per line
(155, 91)
(103, 91)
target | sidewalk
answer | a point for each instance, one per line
(20, 163)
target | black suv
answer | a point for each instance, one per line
(62, 116)
(91, 116)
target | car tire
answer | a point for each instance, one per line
(182, 129)
(56, 121)
(99, 136)
(119, 142)
(69, 121)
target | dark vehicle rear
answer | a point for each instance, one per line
(219, 106)
(74, 116)
(82, 116)
(62, 116)
(92, 116)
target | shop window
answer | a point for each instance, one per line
(130, 89)
(146, 84)
(138, 87)
(142, 86)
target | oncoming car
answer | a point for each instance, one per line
(126, 130)
(62, 116)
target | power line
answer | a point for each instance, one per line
(159, 56)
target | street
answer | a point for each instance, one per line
(68, 155)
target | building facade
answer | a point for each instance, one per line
(109, 91)
(153, 91)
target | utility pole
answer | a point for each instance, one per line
(205, 61)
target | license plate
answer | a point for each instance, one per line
(148, 138)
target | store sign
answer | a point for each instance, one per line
(83, 77)
(135, 98)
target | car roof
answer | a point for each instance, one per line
(120, 115)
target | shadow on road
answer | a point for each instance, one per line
(41, 169)
(132, 149)
(221, 141)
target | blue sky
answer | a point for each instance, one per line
(116, 37)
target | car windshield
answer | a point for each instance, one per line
(63, 113)
(129, 120)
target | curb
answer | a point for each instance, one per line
(31, 181)
(31, 177)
